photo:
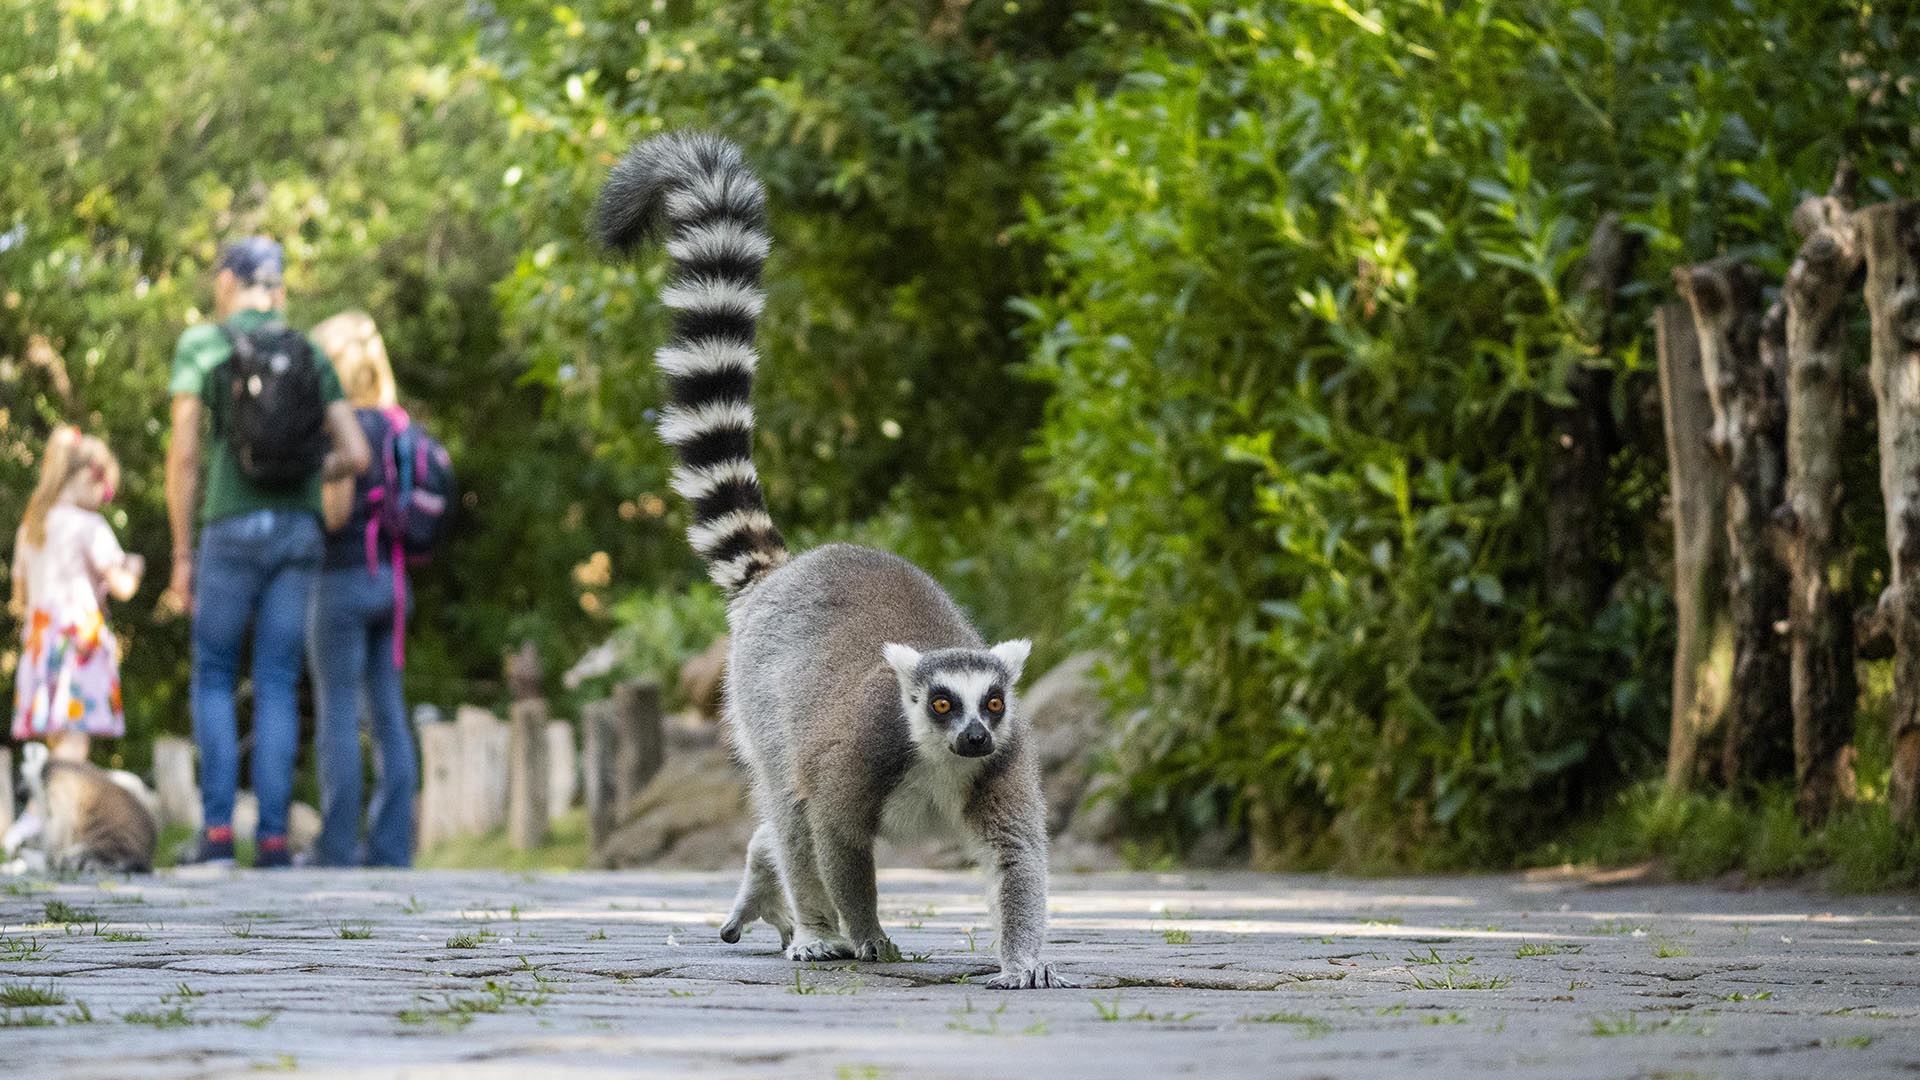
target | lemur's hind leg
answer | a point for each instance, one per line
(760, 896)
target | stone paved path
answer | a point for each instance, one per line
(1216, 975)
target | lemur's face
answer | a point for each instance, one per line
(958, 701)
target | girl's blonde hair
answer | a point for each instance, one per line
(68, 454)
(359, 357)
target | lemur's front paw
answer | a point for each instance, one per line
(822, 948)
(877, 948)
(1037, 977)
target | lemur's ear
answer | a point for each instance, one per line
(902, 659)
(1014, 655)
(33, 759)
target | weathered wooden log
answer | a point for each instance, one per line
(523, 674)
(1703, 637)
(600, 727)
(440, 787)
(1819, 616)
(1891, 236)
(1582, 436)
(483, 769)
(642, 744)
(174, 783)
(6, 788)
(563, 769)
(1749, 431)
(527, 779)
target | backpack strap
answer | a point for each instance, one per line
(397, 424)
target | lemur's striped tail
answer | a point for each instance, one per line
(698, 191)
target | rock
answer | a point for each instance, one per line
(1098, 819)
(693, 815)
(690, 731)
(703, 678)
(1069, 716)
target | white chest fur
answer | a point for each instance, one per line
(930, 801)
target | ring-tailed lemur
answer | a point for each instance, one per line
(90, 819)
(859, 697)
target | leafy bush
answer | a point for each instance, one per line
(1313, 298)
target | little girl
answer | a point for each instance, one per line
(65, 562)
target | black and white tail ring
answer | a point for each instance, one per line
(697, 191)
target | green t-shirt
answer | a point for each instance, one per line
(228, 491)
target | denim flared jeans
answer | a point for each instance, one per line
(350, 636)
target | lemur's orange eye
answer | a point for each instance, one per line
(943, 706)
(994, 704)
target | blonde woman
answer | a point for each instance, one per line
(352, 622)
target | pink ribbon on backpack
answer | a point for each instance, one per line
(397, 422)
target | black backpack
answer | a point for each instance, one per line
(267, 402)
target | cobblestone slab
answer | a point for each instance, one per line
(479, 975)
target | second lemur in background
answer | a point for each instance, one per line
(859, 697)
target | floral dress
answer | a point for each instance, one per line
(68, 678)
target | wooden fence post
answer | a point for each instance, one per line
(1891, 232)
(1582, 435)
(483, 769)
(1703, 640)
(563, 768)
(601, 724)
(174, 783)
(641, 747)
(440, 772)
(1820, 620)
(1748, 433)
(527, 780)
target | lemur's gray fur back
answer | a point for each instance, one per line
(698, 191)
(825, 645)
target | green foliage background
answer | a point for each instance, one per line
(1219, 337)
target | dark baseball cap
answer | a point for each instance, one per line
(256, 260)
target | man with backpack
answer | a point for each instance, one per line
(276, 427)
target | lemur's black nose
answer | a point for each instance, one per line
(975, 741)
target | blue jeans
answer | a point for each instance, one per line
(254, 571)
(350, 635)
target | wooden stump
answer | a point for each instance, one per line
(703, 679)
(1582, 437)
(1703, 638)
(600, 722)
(440, 772)
(1819, 617)
(173, 782)
(483, 769)
(641, 746)
(563, 769)
(1749, 435)
(1891, 235)
(527, 775)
